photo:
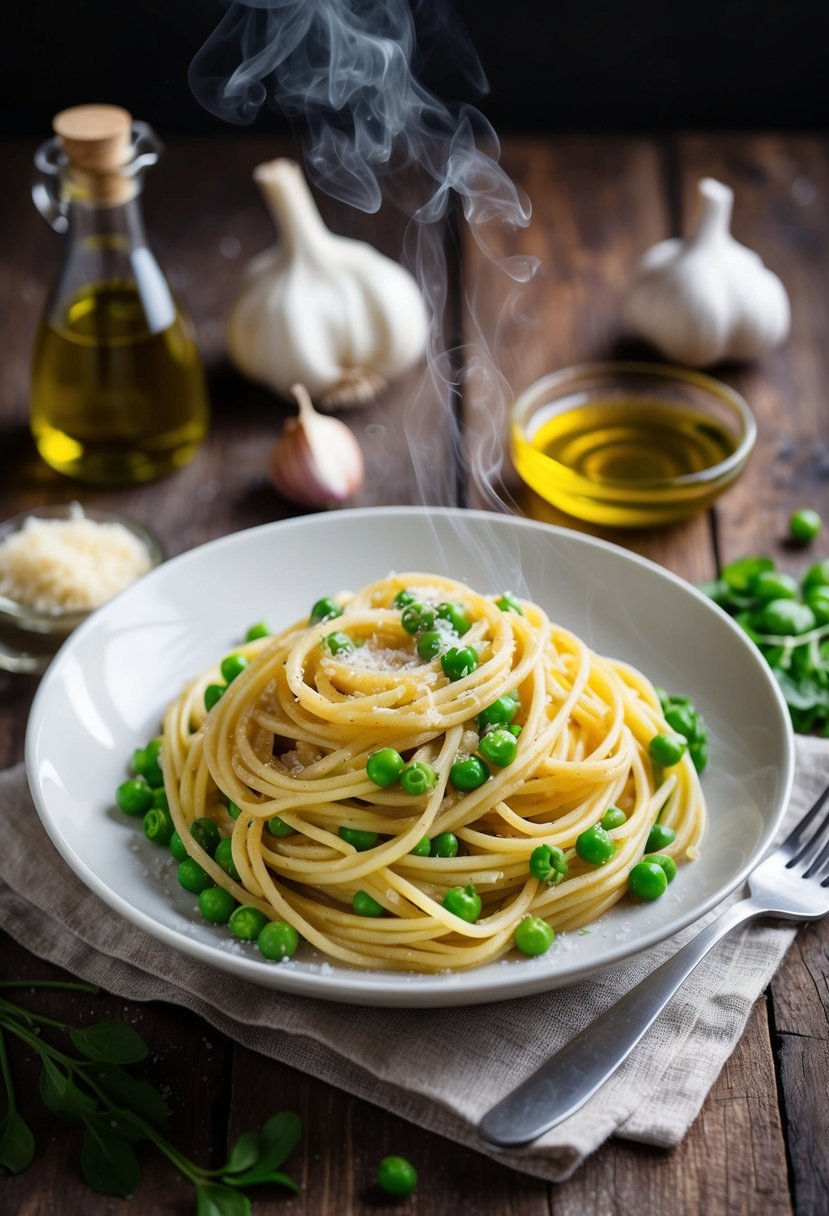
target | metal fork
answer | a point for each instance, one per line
(792, 883)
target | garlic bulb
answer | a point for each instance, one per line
(322, 310)
(316, 460)
(708, 298)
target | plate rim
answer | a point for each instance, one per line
(408, 989)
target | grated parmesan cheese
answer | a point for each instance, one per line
(66, 565)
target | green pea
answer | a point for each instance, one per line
(384, 767)
(459, 661)
(365, 905)
(158, 826)
(533, 936)
(805, 525)
(463, 902)
(145, 763)
(233, 810)
(418, 778)
(667, 863)
(508, 603)
(212, 694)
(160, 800)
(785, 617)
(247, 922)
(177, 847)
(647, 880)
(613, 817)
(469, 774)
(499, 713)
(456, 616)
(324, 610)
(769, 585)
(216, 905)
(358, 839)
(232, 665)
(445, 844)
(682, 720)
(548, 864)
(338, 643)
(423, 848)
(816, 576)
(659, 837)
(134, 796)
(595, 846)
(430, 644)
(278, 827)
(818, 601)
(257, 631)
(403, 599)
(192, 877)
(224, 857)
(278, 940)
(499, 746)
(206, 834)
(396, 1176)
(515, 730)
(417, 617)
(667, 750)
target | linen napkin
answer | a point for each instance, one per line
(441, 1069)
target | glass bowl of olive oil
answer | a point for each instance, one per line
(630, 445)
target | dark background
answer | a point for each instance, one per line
(601, 65)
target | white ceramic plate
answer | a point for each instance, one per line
(105, 692)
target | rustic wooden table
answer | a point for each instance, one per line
(760, 1144)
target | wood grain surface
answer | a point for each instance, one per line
(761, 1142)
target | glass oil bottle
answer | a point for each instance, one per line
(118, 392)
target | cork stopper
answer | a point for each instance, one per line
(97, 140)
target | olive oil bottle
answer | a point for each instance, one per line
(117, 391)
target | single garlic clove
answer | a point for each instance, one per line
(316, 461)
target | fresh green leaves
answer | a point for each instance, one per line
(788, 621)
(118, 1111)
(110, 1043)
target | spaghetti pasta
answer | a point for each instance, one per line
(293, 735)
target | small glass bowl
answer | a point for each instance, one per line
(630, 444)
(28, 638)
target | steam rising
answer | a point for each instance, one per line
(345, 73)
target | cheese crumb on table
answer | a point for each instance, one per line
(66, 565)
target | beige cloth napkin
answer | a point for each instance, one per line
(441, 1069)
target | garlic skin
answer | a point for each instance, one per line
(316, 461)
(322, 310)
(707, 298)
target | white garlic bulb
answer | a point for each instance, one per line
(316, 461)
(322, 310)
(708, 298)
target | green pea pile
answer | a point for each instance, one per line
(143, 795)
(788, 621)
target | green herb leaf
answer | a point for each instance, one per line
(213, 1199)
(108, 1162)
(60, 1094)
(245, 1153)
(280, 1136)
(17, 1144)
(110, 1043)
(277, 1140)
(739, 574)
(126, 1091)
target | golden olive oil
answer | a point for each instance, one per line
(616, 461)
(112, 400)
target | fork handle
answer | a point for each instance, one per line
(565, 1082)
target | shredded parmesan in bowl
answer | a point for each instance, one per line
(72, 564)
